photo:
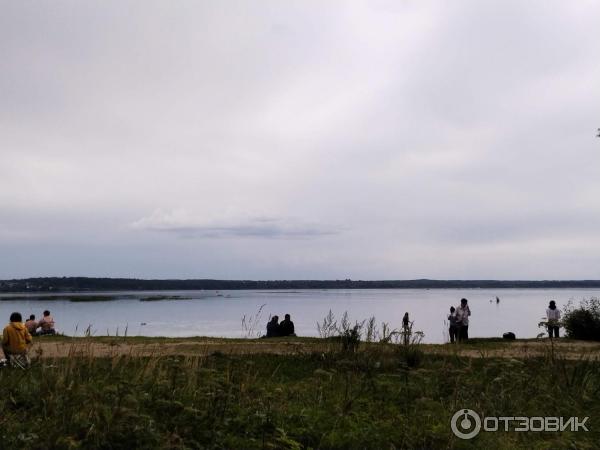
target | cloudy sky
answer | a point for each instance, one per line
(300, 139)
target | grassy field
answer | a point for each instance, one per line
(292, 394)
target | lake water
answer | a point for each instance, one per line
(220, 314)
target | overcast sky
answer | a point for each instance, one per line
(300, 139)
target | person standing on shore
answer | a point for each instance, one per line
(453, 328)
(406, 328)
(553, 315)
(462, 320)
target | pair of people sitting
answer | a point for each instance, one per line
(16, 340)
(45, 325)
(285, 328)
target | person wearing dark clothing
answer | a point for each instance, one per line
(453, 329)
(406, 329)
(286, 327)
(273, 327)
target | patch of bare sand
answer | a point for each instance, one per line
(65, 349)
(524, 349)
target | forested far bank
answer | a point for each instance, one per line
(77, 284)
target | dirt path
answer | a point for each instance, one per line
(524, 349)
(206, 346)
(61, 349)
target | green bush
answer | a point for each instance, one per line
(411, 354)
(583, 322)
(350, 338)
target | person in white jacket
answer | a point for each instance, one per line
(462, 320)
(553, 315)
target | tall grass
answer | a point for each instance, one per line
(367, 330)
(379, 397)
(252, 325)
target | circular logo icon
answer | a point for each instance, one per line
(465, 424)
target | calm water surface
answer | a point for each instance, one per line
(220, 314)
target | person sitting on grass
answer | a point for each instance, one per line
(286, 327)
(273, 327)
(46, 324)
(15, 341)
(32, 325)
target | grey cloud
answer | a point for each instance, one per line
(259, 231)
(300, 138)
(179, 223)
(527, 227)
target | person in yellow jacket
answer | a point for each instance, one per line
(15, 337)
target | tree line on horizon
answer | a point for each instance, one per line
(61, 284)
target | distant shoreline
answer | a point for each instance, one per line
(83, 284)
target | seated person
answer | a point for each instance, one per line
(31, 324)
(273, 327)
(15, 340)
(286, 327)
(46, 324)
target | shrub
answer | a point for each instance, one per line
(411, 355)
(583, 322)
(350, 337)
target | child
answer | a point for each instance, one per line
(453, 330)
